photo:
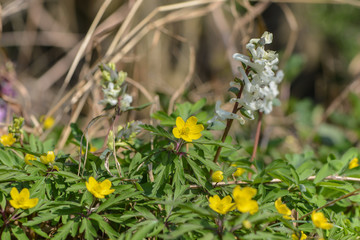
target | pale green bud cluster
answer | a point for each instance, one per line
(125, 136)
(15, 127)
(113, 87)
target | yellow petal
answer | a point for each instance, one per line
(25, 193)
(50, 156)
(106, 184)
(14, 204)
(180, 122)
(191, 122)
(194, 136)
(196, 128)
(186, 138)
(176, 132)
(30, 203)
(14, 193)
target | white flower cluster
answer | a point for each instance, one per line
(223, 115)
(261, 82)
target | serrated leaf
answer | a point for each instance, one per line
(45, 216)
(157, 130)
(145, 212)
(144, 229)
(39, 232)
(63, 231)
(89, 229)
(115, 200)
(135, 162)
(19, 233)
(69, 176)
(165, 119)
(6, 234)
(104, 226)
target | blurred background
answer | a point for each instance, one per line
(176, 51)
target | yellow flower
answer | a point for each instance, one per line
(7, 140)
(92, 149)
(354, 163)
(188, 131)
(49, 158)
(221, 206)
(48, 122)
(239, 172)
(22, 199)
(302, 237)
(243, 199)
(28, 158)
(282, 209)
(320, 220)
(99, 189)
(217, 176)
(246, 224)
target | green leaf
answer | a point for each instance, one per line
(6, 234)
(115, 200)
(323, 173)
(199, 173)
(43, 217)
(39, 232)
(181, 230)
(145, 212)
(77, 133)
(135, 162)
(160, 178)
(89, 229)
(75, 227)
(2, 201)
(165, 119)
(19, 233)
(144, 228)
(138, 108)
(214, 143)
(157, 130)
(64, 231)
(76, 187)
(104, 226)
(234, 90)
(70, 177)
(197, 106)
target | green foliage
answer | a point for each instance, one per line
(164, 187)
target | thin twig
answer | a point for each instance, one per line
(273, 181)
(332, 202)
(228, 125)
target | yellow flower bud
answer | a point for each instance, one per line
(217, 176)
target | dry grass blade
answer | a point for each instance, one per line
(355, 3)
(83, 46)
(123, 27)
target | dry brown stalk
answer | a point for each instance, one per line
(338, 178)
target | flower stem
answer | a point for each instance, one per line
(8, 220)
(228, 124)
(256, 142)
(257, 137)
